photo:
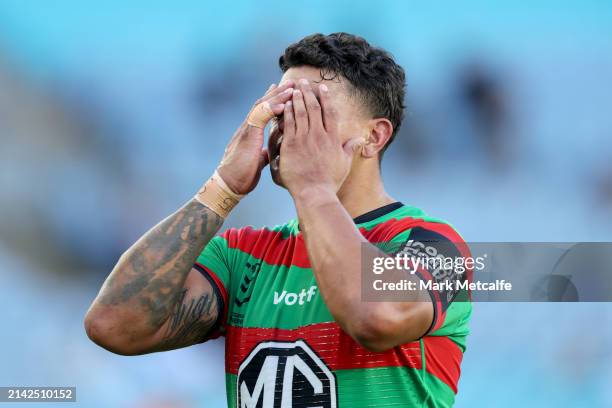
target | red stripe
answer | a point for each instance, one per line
(274, 248)
(334, 346)
(269, 246)
(443, 360)
(387, 230)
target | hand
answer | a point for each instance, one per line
(312, 154)
(245, 157)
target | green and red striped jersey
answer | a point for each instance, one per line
(282, 345)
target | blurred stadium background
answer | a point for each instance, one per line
(111, 116)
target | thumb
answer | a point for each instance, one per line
(261, 114)
(353, 146)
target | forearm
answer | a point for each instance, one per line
(153, 300)
(148, 280)
(336, 250)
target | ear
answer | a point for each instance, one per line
(380, 131)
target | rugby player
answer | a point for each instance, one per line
(288, 299)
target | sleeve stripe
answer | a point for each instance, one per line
(222, 299)
(446, 232)
(438, 314)
(463, 248)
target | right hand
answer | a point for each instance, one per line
(244, 156)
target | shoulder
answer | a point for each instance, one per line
(410, 223)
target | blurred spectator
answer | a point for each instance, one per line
(485, 102)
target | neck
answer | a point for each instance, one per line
(363, 189)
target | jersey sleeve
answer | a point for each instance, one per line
(214, 263)
(439, 243)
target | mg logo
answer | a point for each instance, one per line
(285, 375)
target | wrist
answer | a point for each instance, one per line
(218, 196)
(314, 195)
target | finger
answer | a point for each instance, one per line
(260, 115)
(313, 108)
(301, 115)
(289, 83)
(353, 146)
(270, 105)
(270, 88)
(280, 99)
(289, 123)
(328, 108)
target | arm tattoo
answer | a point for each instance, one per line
(150, 276)
(190, 321)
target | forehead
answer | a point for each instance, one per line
(338, 86)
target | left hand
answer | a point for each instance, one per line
(312, 153)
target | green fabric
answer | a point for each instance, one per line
(253, 285)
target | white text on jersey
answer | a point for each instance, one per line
(291, 298)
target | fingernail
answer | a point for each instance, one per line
(288, 104)
(288, 90)
(296, 92)
(323, 88)
(304, 81)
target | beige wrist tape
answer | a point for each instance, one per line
(217, 196)
(260, 115)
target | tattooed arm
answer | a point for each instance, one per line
(153, 299)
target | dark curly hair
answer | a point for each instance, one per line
(376, 78)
